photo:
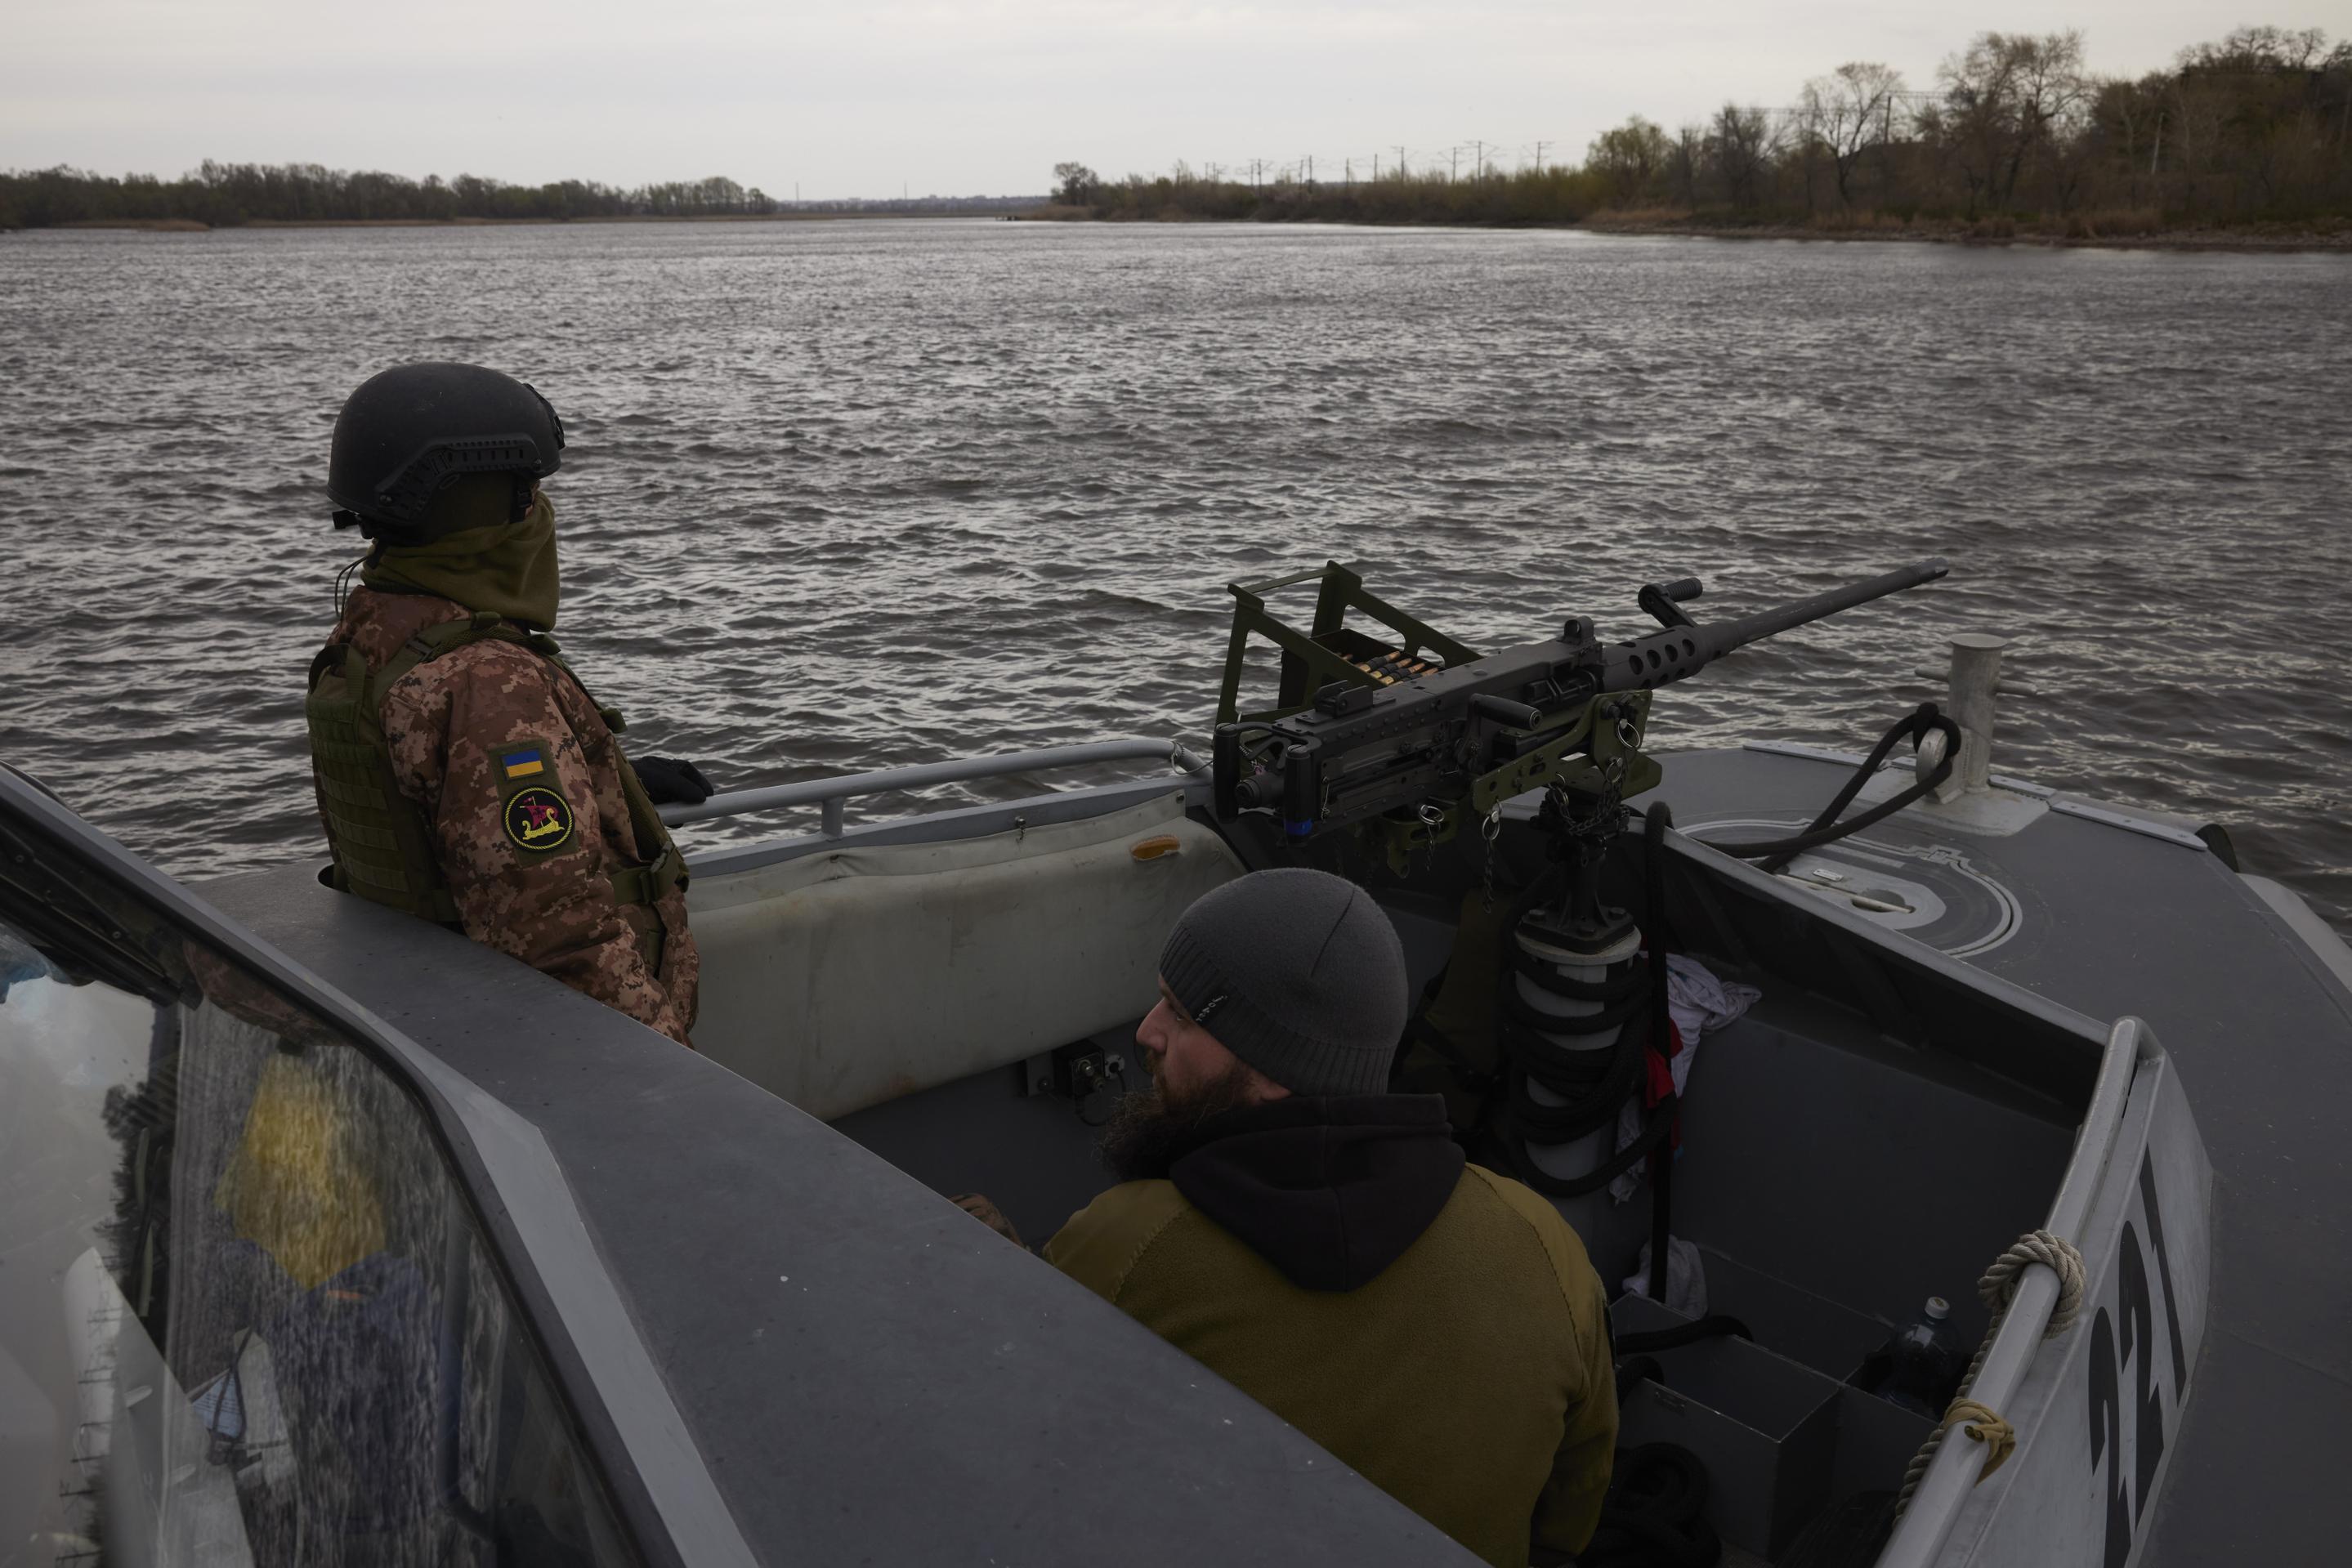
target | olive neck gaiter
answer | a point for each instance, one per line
(508, 569)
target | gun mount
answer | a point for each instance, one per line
(1398, 742)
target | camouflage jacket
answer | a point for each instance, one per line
(459, 726)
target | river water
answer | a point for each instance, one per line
(849, 495)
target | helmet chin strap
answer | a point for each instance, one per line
(344, 518)
(343, 580)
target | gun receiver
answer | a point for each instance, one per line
(1410, 752)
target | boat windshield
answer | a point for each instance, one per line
(246, 1314)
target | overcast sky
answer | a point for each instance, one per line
(976, 97)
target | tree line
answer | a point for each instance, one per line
(223, 194)
(226, 194)
(2016, 132)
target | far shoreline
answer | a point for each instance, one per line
(2255, 241)
(2217, 239)
(2251, 240)
(192, 226)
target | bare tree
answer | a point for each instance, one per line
(2005, 99)
(1689, 154)
(1850, 111)
(2249, 49)
(1739, 146)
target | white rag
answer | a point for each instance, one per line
(1685, 1277)
(1698, 1003)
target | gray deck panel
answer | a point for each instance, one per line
(2228, 1500)
(2115, 923)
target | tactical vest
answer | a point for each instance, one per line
(381, 842)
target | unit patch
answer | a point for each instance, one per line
(539, 819)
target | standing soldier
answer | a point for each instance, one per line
(464, 773)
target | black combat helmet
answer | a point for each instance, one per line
(410, 430)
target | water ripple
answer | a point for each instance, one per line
(845, 496)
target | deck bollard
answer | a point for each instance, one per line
(1975, 677)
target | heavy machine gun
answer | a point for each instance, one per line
(1398, 742)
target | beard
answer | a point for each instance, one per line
(1149, 1131)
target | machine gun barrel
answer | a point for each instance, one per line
(1506, 722)
(1680, 651)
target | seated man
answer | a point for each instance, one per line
(1322, 1244)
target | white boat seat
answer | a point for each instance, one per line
(853, 975)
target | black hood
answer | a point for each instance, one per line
(1329, 1191)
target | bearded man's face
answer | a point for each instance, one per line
(1151, 1129)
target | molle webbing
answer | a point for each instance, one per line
(631, 884)
(647, 883)
(382, 845)
(642, 885)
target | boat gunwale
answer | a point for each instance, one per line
(661, 1491)
(2021, 1341)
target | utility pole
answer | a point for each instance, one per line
(1402, 172)
(1351, 174)
(1454, 170)
(1539, 147)
(1310, 168)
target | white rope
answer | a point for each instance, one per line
(2053, 1252)
(1997, 1289)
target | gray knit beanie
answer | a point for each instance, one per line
(1297, 973)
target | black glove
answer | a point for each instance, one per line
(672, 782)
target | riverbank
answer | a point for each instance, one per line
(190, 226)
(2333, 236)
(2129, 231)
(2092, 231)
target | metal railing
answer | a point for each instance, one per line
(832, 795)
(1926, 1523)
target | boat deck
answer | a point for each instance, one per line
(867, 1375)
(2113, 921)
(2100, 918)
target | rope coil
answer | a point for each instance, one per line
(2053, 1252)
(1988, 1426)
(1997, 1289)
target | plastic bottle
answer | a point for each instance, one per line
(1925, 1363)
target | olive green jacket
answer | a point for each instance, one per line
(1471, 1378)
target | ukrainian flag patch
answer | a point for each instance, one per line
(522, 764)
